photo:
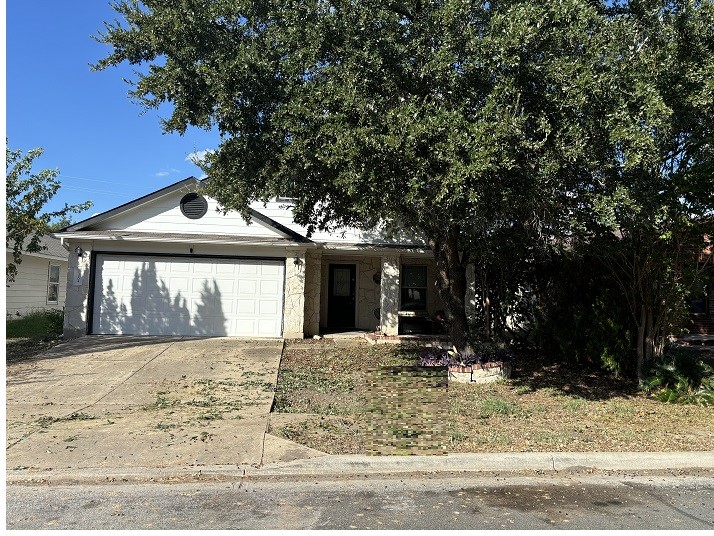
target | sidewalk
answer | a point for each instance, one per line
(356, 466)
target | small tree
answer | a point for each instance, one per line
(26, 195)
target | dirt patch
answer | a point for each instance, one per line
(20, 349)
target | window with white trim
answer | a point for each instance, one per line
(53, 283)
(413, 287)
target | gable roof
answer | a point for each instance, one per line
(51, 247)
(191, 182)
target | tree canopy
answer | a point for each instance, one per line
(460, 120)
(27, 193)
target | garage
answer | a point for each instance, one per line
(155, 295)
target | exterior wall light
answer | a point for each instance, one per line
(79, 251)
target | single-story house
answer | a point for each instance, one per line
(170, 263)
(41, 279)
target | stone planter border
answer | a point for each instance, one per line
(481, 373)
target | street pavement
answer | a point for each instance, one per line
(571, 501)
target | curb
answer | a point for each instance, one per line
(490, 462)
(342, 466)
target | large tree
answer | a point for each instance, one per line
(452, 118)
(655, 202)
(26, 194)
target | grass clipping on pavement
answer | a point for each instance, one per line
(353, 398)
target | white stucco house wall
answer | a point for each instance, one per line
(41, 279)
(170, 263)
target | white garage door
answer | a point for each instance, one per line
(136, 295)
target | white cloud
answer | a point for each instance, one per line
(198, 156)
(162, 173)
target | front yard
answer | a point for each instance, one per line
(352, 398)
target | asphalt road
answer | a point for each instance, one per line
(599, 501)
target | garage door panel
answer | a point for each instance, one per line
(182, 296)
(270, 269)
(245, 306)
(245, 327)
(178, 285)
(248, 269)
(268, 307)
(266, 327)
(247, 288)
(269, 288)
(225, 286)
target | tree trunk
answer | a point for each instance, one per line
(649, 342)
(641, 342)
(451, 284)
(486, 304)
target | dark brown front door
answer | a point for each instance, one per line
(341, 296)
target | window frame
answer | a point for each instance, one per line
(403, 288)
(51, 283)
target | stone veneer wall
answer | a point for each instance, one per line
(313, 279)
(75, 305)
(294, 311)
(368, 293)
(389, 305)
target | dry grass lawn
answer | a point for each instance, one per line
(352, 398)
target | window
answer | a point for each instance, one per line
(53, 283)
(413, 288)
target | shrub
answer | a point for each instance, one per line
(682, 378)
(46, 324)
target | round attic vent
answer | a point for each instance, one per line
(193, 206)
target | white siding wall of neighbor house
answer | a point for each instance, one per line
(29, 290)
(164, 215)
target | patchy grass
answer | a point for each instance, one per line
(364, 399)
(32, 334)
(358, 398)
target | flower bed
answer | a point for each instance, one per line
(479, 367)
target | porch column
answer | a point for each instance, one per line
(389, 303)
(294, 312)
(77, 299)
(470, 291)
(313, 280)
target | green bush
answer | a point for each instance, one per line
(45, 324)
(682, 378)
(582, 316)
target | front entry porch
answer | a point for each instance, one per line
(374, 290)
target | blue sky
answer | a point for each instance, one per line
(106, 148)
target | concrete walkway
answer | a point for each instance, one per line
(120, 402)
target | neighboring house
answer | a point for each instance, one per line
(701, 306)
(41, 279)
(170, 263)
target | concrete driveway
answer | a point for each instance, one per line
(120, 401)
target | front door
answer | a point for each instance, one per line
(341, 296)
